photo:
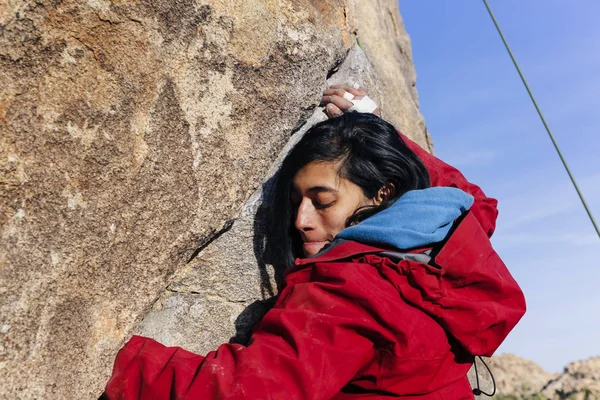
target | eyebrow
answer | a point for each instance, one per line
(318, 189)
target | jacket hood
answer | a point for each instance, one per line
(416, 219)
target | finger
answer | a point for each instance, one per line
(355, 90)
(343, 88)
(349, 89)
(333, 111)
(356, 86)
(338, 101)
(338, 92)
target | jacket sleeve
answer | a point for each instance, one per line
(311, 344)
(441, 174)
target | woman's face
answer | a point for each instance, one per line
(323, 201)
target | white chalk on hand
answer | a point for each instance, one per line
(364, 105)
(348, 96)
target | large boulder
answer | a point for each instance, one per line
(131, 136)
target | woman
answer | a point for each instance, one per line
(392, 287)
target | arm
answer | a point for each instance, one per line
(310, 345)
(468, 290)
(478, 275)
(441, 174)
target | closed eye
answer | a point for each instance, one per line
(320, 206)
(316, 205)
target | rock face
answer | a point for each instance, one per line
(520, 379)
(219, 295)
(131, 136)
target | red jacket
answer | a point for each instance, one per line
(355, 322)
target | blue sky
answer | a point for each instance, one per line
(482, 121)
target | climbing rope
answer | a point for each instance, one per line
(542, 118)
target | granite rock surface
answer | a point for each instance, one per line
(132, 134)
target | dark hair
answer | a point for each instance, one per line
(371, 154)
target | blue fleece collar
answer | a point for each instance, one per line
(417, 219)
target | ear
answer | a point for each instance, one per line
(385, 193)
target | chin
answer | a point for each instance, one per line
(312, 248)
(309, 254)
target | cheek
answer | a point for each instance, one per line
(335, 221)
(337, 216)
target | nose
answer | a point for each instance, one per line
(305, 216)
